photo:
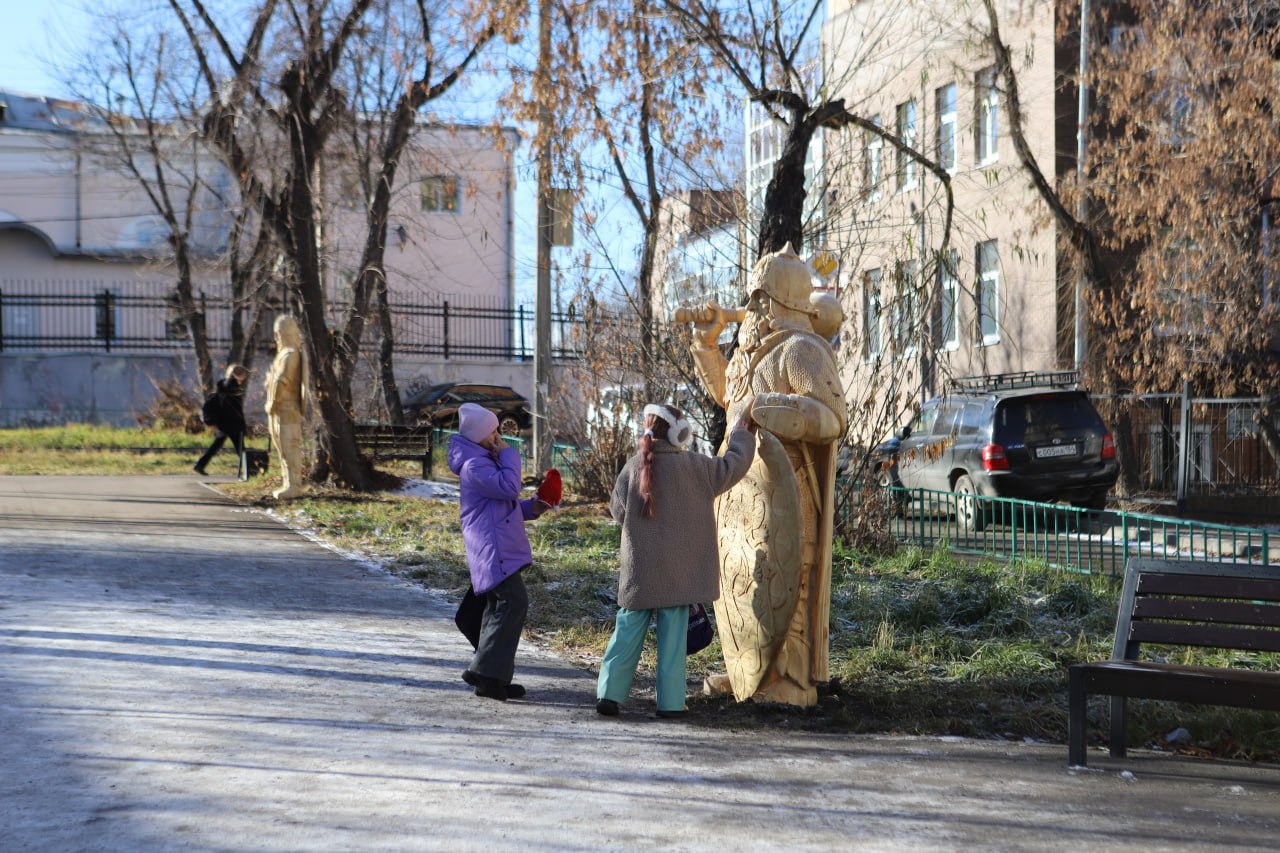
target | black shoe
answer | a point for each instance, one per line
(492, 691)
(673, 715)
(489, 688)
(199, 469)
(515, 691)
(607, 708)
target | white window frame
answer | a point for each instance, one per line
(904, 311)
(436, 196)
(949, 307)
(986, 123)
(873, 164)
(987, 264)
(906, 126)
(945, 109)
(872, 313)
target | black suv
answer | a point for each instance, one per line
(438, 405)
(1034, 436)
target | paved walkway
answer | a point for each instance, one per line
(180, 673)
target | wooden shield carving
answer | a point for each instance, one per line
(760, 559)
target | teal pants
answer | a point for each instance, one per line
(623, 654)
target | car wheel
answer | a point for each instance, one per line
(897, 499)
(508, 424)
(970, 511)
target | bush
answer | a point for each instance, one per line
(174, 407)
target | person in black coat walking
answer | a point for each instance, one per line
(228, 417)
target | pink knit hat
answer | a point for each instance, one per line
(475, 422)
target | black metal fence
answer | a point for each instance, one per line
(144, 317)
(1181, 446)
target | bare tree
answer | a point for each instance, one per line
(1180, 184)
(283, 82)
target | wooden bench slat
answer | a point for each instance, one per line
(1210, 586)
(397, 441)
(1205, 636)
(1176, 683)
(1210, 605)
(1190, 610)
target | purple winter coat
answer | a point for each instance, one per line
(493, 516)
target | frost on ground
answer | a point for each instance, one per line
(428, 489)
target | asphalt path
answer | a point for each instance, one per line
(181, 673)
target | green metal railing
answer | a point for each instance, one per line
(1066, 537)
(562, 455)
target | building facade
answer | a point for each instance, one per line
(87, 323)
(994, 302)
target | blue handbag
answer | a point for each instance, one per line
(701, 631)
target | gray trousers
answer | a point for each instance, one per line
(505, 607)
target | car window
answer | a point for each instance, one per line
(949, 417)
(923, 423)
(971, 418)
(1040, 418)
(426, 395)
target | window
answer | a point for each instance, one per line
(871, 309)
(906, 131)
(904, 313)
(988, 293)
(987, 123)
(1165, 453)
(440, 193)
(948, 330)
(946, 127)
(923, 423)
(972, 420)
(872, 155)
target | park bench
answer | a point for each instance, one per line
(397, 441)
(1226, 606)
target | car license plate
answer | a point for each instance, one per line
(1055, 450)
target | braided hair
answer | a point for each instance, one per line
(654, 428)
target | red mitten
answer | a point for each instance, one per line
(551, 489)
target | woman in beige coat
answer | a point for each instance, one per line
(664, 501)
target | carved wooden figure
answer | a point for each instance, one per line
(776, 524)
(286, 391)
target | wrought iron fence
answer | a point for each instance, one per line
(133, 316)
(1179, 446)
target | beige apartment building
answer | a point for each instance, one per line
(923, 72)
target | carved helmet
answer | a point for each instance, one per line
(785, 278)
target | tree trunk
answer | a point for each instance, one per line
(386, 352)
(192, 316)
(328, 353)
(1126, 452)
(783, 218)
(1265, 418)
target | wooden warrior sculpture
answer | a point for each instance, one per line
(286, 386)
(776, 524)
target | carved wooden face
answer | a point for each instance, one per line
(756, 324)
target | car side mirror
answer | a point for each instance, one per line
(904, 433)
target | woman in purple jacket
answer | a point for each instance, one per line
(493, 518)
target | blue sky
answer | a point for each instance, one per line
(35, 35)
(40, 37)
